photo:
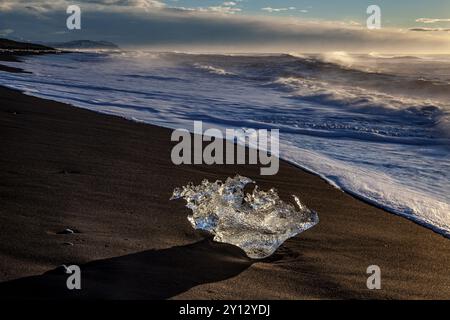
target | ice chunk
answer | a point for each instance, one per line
(258, 223)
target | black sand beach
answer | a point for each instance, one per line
(110, 180)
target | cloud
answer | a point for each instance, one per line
(106, 5)
(219, 9)
(156, 25)
(430, 29)
(123, 6)
(6, 32)
(270, 9)
(354, 23)
(227, 7)
(430, 20)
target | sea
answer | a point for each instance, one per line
(374, 125)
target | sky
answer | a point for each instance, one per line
(238, 25)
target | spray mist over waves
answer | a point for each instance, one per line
(364, 85)
(366, 101)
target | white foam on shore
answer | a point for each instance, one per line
(376, 188)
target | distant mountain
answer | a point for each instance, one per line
(84, 44)
(6, 44)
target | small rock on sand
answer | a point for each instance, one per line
(68, 231)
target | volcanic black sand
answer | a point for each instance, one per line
(110, 180)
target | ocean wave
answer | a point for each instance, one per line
(213, 70)
(153, 77)
(340, 58)
(375, 187)
(386, 56)
(333, 68)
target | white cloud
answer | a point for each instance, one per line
(430, 29)
(225, 8)
(431, 20)
(353, 23)
(220, 9)
(270, 9)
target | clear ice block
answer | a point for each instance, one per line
(258, 223)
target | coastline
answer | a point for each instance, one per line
(110, 178)
(359, 174)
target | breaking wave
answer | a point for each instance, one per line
(213, 70)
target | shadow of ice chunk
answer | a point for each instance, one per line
(258, 223)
